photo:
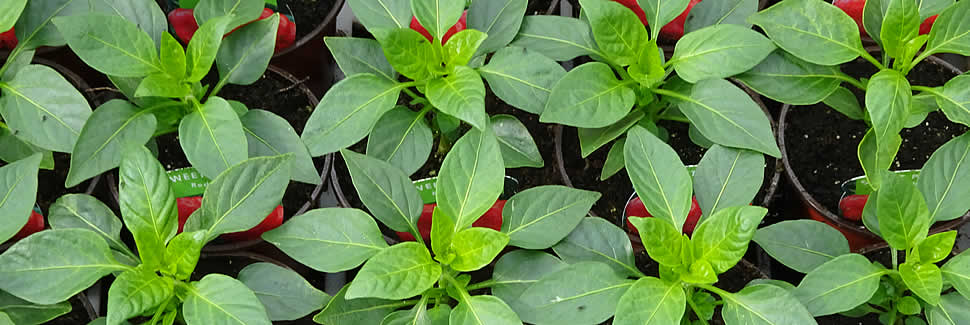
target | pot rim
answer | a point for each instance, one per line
(328, 21)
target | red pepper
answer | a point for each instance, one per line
(635, 208)
(852, 206)
(459, 26)
(185, 26)
(927, 25)
(8, 39)
(34, 224)
(491, 219)
(188, 205)
(286, 34)
(675, 29)
(184, 23)
(854, 9)
(633, 5)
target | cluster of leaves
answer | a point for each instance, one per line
(47, 268)
(445, 82)
(690, 87)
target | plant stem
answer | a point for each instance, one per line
(482, 285)
(674, 118)
(693, 306)
(868, 57)
(161, 310)
(853, 81)
(929, 90)
(895, 260)
(461, 290)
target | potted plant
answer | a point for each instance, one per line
(85, 245)
(807, 71)
(411, 275)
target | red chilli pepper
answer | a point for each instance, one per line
(854, 9)
(184, 23)
(286, 34)
(635, 208)
(188, 205)
(927, 25)
(675, 29)
(34, 224)
(459, 26)
(852, 206)
(491, 219)
(8, 39)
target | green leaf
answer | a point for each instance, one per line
(899, 25)
(614, 160)
(877, 157)
(404, 140)
(925, 280)
(212, 137)
(903, 217)
(147, 204)
(662, 241)
(284, 293)
(559, 38)
(147, 15)
(483, 310)
(957, 273)
(399, 272)
(351, 234)
(204, 46)
(719, 51)
(909, 306)
(348, 113)
(597, 240)
(888, 101)
(726, 115)
(462, 46)
(764, 305)
(522, 77)
(244, 55)
(722, 239)
(788, 79)
(360, 55)
(540, 217)
(845, 102)
(161, 85)
(592, 139)
(4, 319)
(355, 311)
(110, 44)
(516, 271)
(437, 16)
(11, 10)
(661, 12)
(54, 265)
(386, 191)
(220, 300)
(462, 95)
(952, 310)
(935, 248)
(86, 212)
(471, 177)
(19, 311)
(954, 99)
(239, 12)
(476, 247)
(659, 177)
(98, 149)
(582, 293)
(18, 186)
(589, 96)
(839, 285)
(42, 108)
(950, 33)
(418, 315)
(812, 30)
(517, 146)
(135, 292)
(268, 134)
(242, 196)
(182, 254)
(382, 15)
(651, 301)
(617, 30)
(34, 28)
(945, 180)
(13, 148)
(711, 13)
(802, 245)
(501, 20)
(411, 54)
(929, 8)
(728, 177)
(442, 233)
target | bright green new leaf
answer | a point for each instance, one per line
(935, 248)
(903, 216)
(722, 239)
(182, 254)
(11, 11)
(476, 247)
(888, 101)
(471, 177)
(147, 204)
(462, 46)
(411, 54)
(618, 32)
(651, 301)
(925, 280)
(462, 95)
(135, 292)
(399, 272)
(663, 242)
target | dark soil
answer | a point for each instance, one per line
(78, 315)
(307, 14)
(540, 7)
(822, 143)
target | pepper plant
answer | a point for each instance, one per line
(162, 81)
(84, 245)
(443, 81)
(428, 283)
(690, 87)
(915, 291)
(816, 37)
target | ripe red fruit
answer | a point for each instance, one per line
(635, 208)
(286, 34)
(633, 5)
(491, 219)
(927, 25)
(675, 29)
(854, 9)
(34, 224)
(188, 205)
(459, 26)
(8, 39)
(185, 27)
(184, 23)
(852, 206)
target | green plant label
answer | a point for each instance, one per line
(427, 187)
(187, 182)
(860, 185)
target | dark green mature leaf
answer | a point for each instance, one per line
(929, 8)
(355, 311)
(147, 203)
(764, 304)
(839, 285)
(788, 79)
(953, 309)
(658, 175)
(592, 139)
(728, 177)
(802, 245)
(242, 196)
(5, 320)
(135, 292)
(951, 31)
(812, 30)
(483, 310)
(34, 28)
(243, 56)
(888, 101)
(111, 44)
(877, 157)
(411, 54)
(11, 10)
(925, 280)
(212, 137)
(471, 177)
(597, 240)
(147, 15)
(726, 115)
(522, 77)
(722, 239)
(220, 300)
(462, 95)
(711, 13)
(845, 102)
(651, 301)
(386, 191)
(903, 216)
(54, 265)
(617, 30)
(945, 180)
(539, 217)
(285, 294)
(404, 140)
(417, 315)
(240, 11)
(518, 270)
(22, 312)
(957, 273)
(182, 254)
(517, 146)
(348, 112)
(18, 188)
(351, 234)
(437, 16)
(42, 108)
(719, 51)
(360, 55)
(954, 99)
(661, 12)
(13, 148)
(589, 96)
(98, 149)
(86, 212)
(558, 296)
(559, 38)
(268, 134)
(476, 247)
(382, 15)
(399, 272)
(501, 20)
